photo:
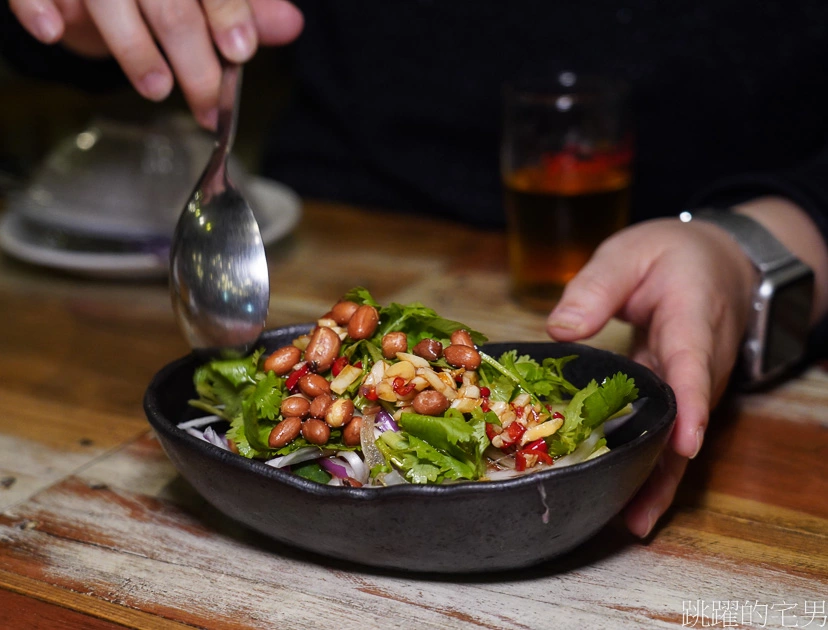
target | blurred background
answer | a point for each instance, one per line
(36, 114)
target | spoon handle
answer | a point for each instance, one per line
(228, 110)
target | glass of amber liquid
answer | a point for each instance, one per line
(566, 159)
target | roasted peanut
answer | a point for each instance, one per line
(363, 322)
(340, 412)
(428, 349)
(282, 360)
(343, 310)
(315, 431)
(351, 432)
(319, 405)
(295, 406)
(462, 357)
(430, 402)
(285, 432)
(392, 343)
(461, 338)
(311, 385)
(322, 349)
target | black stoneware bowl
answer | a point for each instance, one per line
(465, 527)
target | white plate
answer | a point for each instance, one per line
(277, 210)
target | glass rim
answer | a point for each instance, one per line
(565, 81)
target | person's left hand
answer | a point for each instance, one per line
(686, 288)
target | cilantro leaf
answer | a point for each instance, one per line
(419, 462)
(311, 470)
(361, 296)
(420, 322)
(590, 408)
(451, 434)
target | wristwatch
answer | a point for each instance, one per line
(777, 330)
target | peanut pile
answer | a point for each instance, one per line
(406, 380)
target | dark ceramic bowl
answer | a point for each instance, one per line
(467, 527)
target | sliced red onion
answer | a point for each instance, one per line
(214, 438)
(385, 422)
(209, 435)
(296, 457)
(336, 467)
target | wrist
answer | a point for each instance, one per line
(792, 226)
(779, 304)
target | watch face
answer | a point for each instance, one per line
(787, 324)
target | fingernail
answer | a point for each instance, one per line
(155, 85)
(699, 441)
(209, 120)
(47, 26)
(240, 42)
(566, 318)
(652, 517)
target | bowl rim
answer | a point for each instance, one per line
(160, 423)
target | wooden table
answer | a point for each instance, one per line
(98, 531)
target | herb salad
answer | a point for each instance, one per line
(378, 396)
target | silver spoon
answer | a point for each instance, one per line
(219, 281)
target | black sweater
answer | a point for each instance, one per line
(397, 104)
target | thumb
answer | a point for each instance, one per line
(597, 292)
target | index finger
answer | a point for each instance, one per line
(682, 338)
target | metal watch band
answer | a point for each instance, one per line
(766, 252)
(777, 327)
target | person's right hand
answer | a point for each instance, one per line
(187, 31)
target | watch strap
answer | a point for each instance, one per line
(764, 250)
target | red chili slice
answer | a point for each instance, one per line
(538, 446)
(491, 432)
(294, 377)
(523, 456)
(515, 431)
(401, 388)
(370, 392)
(338, 365)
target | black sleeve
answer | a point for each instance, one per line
(806, 185)
(30, 58)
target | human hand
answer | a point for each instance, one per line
(187, 31)
(686, 289)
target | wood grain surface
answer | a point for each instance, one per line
(98, 531)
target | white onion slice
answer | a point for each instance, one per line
(583, 450)
(296, 457)
(360, 471)
(198, 422)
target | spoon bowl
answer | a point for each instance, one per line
(219, 282)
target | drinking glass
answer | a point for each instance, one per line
(566, 158)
